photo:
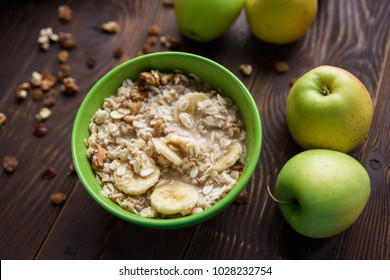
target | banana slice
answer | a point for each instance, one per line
(174, 198)
(188, 103)
(188, 145)
(234, 152)
(131, 183)
(164, 150)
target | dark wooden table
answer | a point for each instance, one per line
(350, 34)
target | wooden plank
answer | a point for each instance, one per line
(262, 233)
(94, 233)
(365, 241)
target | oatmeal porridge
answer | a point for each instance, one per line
(166, 145)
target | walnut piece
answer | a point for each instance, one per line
(110, 26)
(99, 156)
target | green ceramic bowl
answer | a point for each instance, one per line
(207, 70)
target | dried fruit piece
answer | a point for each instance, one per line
(281, 67)
(10, 163)
(40, 130)
(49, 173)
(174, 198)
(242, 198)
(58, 198)
(91, 61)
(117, 52)
(154, 30)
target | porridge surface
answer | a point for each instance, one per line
(166, 145)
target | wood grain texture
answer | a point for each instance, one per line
(350, 34)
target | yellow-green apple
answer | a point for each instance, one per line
(280, 21)
(206, 20)
(329, 108)
(324, 192)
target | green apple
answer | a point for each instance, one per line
(280, 21)
(329, 108)
(206, 20)
(324, 192)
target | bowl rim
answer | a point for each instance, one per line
(184, 221)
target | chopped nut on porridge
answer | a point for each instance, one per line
(166, 145)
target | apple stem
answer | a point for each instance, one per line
(277, 200)
(325, 89)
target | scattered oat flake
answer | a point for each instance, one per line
(46, 36)
(281, 67)
(43, 114)
(21, 94)
(170, 41)
(10, 163)
(246, 69)
(72, 169)
(110, 26)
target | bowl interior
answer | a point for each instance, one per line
(211, 72)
